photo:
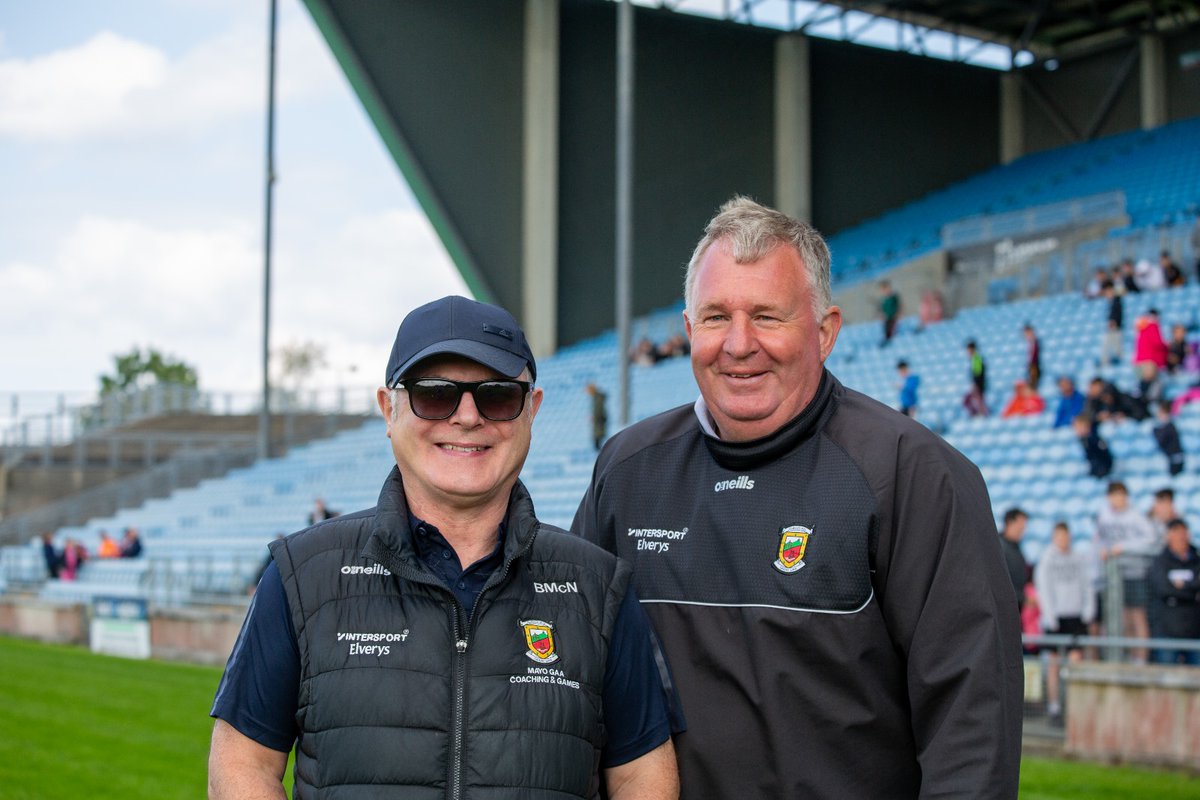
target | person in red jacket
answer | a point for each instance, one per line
(1025, 401)
(1149, 345)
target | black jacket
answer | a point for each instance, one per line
(1176, 613)
(831, 598)
(401, 695)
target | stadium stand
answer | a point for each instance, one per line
(1157, 170)
(210, 540)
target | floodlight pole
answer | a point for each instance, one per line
(264, 414)
(624, 203)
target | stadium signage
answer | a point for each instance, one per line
(120, 626)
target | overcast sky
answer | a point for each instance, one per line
(132, 152)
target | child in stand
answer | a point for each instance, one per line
(1095, 449)
(1167, 436)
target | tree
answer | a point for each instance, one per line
(138, 370)
(297, 361)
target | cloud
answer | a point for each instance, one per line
(74, 92)
(349, 291)
(113, 86)
(196, 293)
(117, 283)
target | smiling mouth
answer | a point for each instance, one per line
(458, 448)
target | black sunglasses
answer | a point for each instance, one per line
(438, 398)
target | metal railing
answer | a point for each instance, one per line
(180, 471)
(60, 419)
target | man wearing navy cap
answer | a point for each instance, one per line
(445, 643)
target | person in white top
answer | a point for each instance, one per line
(1124, 532)
(1067, 604)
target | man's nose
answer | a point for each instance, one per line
(467, 412)
(740, 338)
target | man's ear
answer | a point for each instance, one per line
(831, 325)
(384, 398)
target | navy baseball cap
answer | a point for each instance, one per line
(454, 325)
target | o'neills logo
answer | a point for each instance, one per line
(539, 638)
(740, 482)
(358, 569)
(793, 541)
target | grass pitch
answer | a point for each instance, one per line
(76, 724)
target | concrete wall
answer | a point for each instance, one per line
(1119, 712)
(860, 302)
(197, 636)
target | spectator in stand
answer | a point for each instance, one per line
(1151, 388)
(1010, 544)
(1175, 592)
(1031, 615)
(1149, 275)
(108, 546)
(1167, 436)
(320, 513)
(1095, 449)
(1106, 403)
(1063, 581)
(1149, 345)
(131, 544)
(675, 346)
(1127, 283)
(644, 354)
(931, 309)
(1110, 346)
(1172, 275)
(1025, 401)
(1125, 534)
(599, 414)
(1033, 357)
(1177, 348)
(889, 309)
(73, 557)
(1095, 287)
(1188, 395)
(52, 557)
(1070, 402)
(976, 398)
(1162, 511)
(909, 383)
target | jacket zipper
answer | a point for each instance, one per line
(460, 701)
(461, 646)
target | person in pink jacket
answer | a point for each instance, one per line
(1149, 345)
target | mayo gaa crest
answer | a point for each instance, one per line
(792, 543)
(539, 638)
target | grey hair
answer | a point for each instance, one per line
(394, 397)
(751, 231)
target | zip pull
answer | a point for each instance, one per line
(461, 645)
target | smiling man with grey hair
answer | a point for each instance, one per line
(822, 571)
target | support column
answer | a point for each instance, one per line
(1153, 82)
(1012, 119)
(539, 211)
(793, 127)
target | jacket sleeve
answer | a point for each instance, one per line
(950, 607)
(587, 523)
